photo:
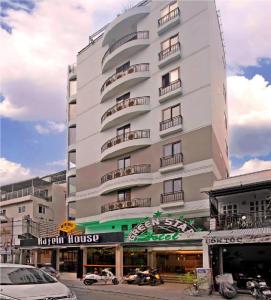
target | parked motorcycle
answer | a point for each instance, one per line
(132, 277)
(105, 276)
(227, 287)
(259, 289)
(151, 276)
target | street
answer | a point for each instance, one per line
(168, 291)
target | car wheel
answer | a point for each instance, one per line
(88, 282)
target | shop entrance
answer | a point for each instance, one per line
(179, 262)
(68, 260)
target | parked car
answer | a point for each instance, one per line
(21, 282)
(50, 270)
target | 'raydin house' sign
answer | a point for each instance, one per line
(69, 240)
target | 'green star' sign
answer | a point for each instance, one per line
(158, 214)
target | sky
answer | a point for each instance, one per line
(39, 39)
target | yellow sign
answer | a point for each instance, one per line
(67, 226)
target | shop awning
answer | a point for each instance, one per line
(239, 236)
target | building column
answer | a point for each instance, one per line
(205, 256)
(35, 262)
(21, 256)
(119, 261)
(85, 260)
(220, 260)
(151, 258)
(57, 259)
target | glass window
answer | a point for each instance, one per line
(123, 67)
(168, 187)
(72, 111)
(72, 135)
(72, 87)
(174, 75)
(170, 42)
(177, 185)
(42, 209)
(124, 162)
(71, 185)
(21, 209)
(124, 195)
(72, 160)
(176, 148)
(169, 8)
(167, 150)
(165, 80)
(173, 6)
(170, 77)
(123, 130)
(172, 186)
(71, 210)
(171, 149)
(123, 97)
(171, 112)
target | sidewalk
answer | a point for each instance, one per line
(167, 291)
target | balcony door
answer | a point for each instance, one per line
(172, 149)
(124, 162)
(170, 77)
(122, 131)
(173, 186)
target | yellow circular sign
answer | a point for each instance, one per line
(67, 226)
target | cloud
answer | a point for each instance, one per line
(62, 163)
(50, 127)
(246, 27)
(249, 116)
(12, 172)
(251, 166)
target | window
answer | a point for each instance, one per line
(71, 185)
(72, 135)
(72, 160)
(21, 209)
(166, 10)
(2, 211)
(72, 87)
(225, 121)
(230, 209)
(42, 209)
(123, 97)
(124, 195)
(172, 149)
(124, 227)
(167, 44)
(171, 112)
(170, 77)
(123, 67)
(172, 186)
(124, 162)
(123, 130)
(72, 111)
(71, 210)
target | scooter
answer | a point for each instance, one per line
(151, 277)
(132, 277)
(105, 276)
(259, 289)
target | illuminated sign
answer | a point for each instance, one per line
(67, 226)
(69, 240)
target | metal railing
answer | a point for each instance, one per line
(135, 169)
(243, 220)
(132, 69)
(171, 160)
(72, 69)
(171, 87)
(132, 203)
(171, 15)
(131, 135)
(139, 35)
(124, 104)
(25, 192)
(172, 197)
(171, 122)
(170, 50)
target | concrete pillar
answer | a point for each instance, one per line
(205, 256)
(35, 262)
(21, 256)
(151, 258)
(119, 261)
(220, 260)
(85, 260)
(57, 259)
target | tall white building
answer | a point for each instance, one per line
(147, 113)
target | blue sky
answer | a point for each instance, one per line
(38, 42)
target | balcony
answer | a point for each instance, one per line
(124, 48)
(72, 72)
(169, 55)
(125, 143)
(173, 199)
(121, 81)
(168, 21)
(136, 175)
(258, 219)
(124, 111)
(171, 163)
(29, 191)
(172, 90)
(126, 204)
(170, 126)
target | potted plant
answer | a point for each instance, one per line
(119, 107)
(111, 207)
(131, 70)
(118, 140)
(128, 171)
(109, 177)
(109, 113)
(120, 205)
(119, 75)
(129, 203)
(109, 145)
(117, 174)
(131, 103)
(131, 136)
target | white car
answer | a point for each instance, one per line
(21, 282)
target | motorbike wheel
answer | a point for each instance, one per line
(88, 282)
(153, 282)
(115, 281)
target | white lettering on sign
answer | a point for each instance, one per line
(69, 239)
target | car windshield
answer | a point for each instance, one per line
(48, 269)
(21, 275)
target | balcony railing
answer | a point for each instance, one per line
(132, 203)
(170, 50)
(124, 104)
(25, 192)
(171, 87)
(171, 160)
(132, 135)
(72, 68)
(178, 120)
(171, 15)
(132, 69)
(135, 169)
(172, 197)
(139, 35)
(246, 220)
